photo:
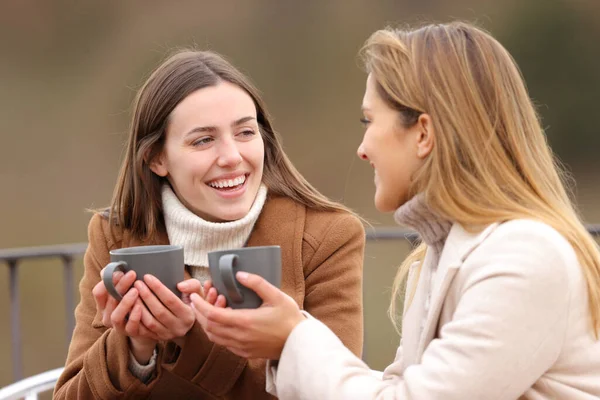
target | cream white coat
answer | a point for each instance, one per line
(508, 319)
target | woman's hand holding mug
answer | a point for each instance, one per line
(251, 333)
(125, 316)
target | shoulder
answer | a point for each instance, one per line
(531, 236)
(336, 226)
(528, 251)
(102, 231)
(316, 222)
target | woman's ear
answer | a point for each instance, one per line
(158, 165)
(426, 137)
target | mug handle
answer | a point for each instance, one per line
(107, 277)
(226, 265)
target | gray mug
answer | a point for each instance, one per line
(223, 265)
(165, 262)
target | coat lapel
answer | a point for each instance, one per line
(459, 244)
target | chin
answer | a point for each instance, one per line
(383, 206)
(233, 213)
(386, 204)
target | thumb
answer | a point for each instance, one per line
(266, 291)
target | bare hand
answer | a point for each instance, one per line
(259, 333)
(125, 316)
(167, 316)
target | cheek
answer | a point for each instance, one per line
(195, 165)
(255, 153)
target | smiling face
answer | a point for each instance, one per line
(213, 153)
(395, 152)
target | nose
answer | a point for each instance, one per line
(229, 154)
(361, 152)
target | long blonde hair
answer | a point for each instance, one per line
(491, 161)
(136, 204)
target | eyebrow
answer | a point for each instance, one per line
(200, 129)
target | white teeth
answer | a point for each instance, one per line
(228, 182)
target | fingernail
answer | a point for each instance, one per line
(194, 296)
(242, 276)
(149, 278)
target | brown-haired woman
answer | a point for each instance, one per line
(204, 169)
(503, 297)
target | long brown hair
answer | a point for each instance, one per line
(136, 204)
(491, 161)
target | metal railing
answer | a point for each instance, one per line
(68, 253)
(12, 257)
(39, 383)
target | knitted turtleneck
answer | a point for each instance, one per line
(432, 228)
(199, 237)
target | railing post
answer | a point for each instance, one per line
(69, 302)
(15, 319)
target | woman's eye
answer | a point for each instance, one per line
(202, 141)
(247, 133)
(365, 122)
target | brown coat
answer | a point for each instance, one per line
(322, 258)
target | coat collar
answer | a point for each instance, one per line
(416, 336)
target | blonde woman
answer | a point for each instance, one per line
(204, 169)
(503, 295)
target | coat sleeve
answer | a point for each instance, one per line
(97, 361)
(333, 285)
(333, 281)
(505, 333)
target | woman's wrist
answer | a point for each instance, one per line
(142, 349)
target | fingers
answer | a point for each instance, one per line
(239, 352)
(258, 284)
(125, 282)
(125, 306)
(211, 295)
(122, 287)
(133, 324)
(211, 313)
(190, 286)
(163, 303)
(156, 308)
(207, 286)
(100, 295)
(221, 301)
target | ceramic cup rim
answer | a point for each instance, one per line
(139, 250)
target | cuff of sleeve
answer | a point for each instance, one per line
(272, 365)
(142, 372)
(106, 367)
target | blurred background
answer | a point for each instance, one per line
(69, 71)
